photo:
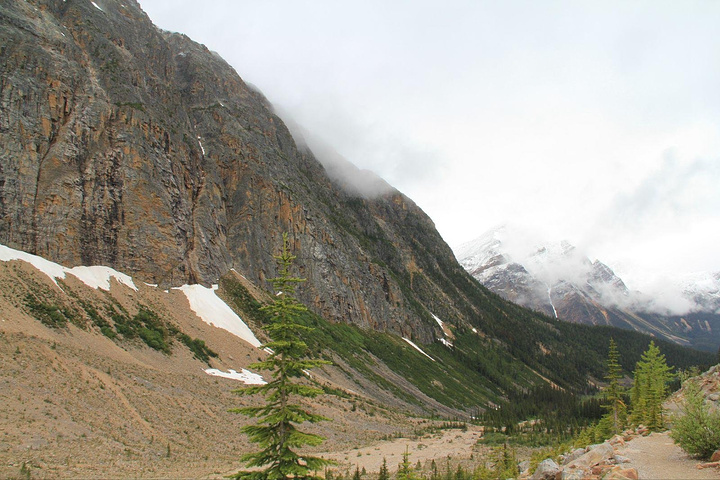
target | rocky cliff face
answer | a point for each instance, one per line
(131, 147)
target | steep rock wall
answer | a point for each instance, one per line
(131, 147)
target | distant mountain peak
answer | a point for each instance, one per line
(559, 279)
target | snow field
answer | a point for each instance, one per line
(245, 376)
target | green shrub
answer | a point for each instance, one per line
(196, 346)
(108, 331)
(154, 339)
(697, 431)
(48, 314)
(494, 439)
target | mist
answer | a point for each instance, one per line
(353, 180)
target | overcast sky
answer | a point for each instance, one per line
(592, 121)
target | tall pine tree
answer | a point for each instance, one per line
(614, 391)
(652, 375)
(276, 432)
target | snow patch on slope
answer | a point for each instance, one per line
(245, 376)
(412, 344)
(443, 340)
(94, 277)
(439, 322)
(214, 311)
(99, 277)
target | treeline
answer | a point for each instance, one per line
(543, 415)
(552, 405)
(546, 415)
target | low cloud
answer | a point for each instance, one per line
(675, 190)
(555, 262)
(354, 180)
(364, 157)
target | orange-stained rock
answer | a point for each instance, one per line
(126, 146)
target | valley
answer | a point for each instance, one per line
(146, 191)
(81, 400)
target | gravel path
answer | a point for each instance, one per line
(656, 457)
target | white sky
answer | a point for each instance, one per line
(594, 121)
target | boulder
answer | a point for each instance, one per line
(715, 456)
(547, 470)
(574, 455)
(621, 473)
(595, 455)
(573, 474)
(600, 470)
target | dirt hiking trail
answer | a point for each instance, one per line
(656, 457)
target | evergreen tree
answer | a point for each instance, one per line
(650, 388)
(404, 469)
(276, 432)
(434, 473)
(614, 391)
(460, 473)
(384, 474)
(356, 475)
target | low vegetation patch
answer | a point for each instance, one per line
(51, 315)
(116, 323)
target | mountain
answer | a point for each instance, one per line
(138, 149)
(131, 147)
(144, 188)
(560, 281)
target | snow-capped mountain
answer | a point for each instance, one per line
(540, 276)
(562, 282)
(703, 290)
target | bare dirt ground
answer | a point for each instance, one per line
(656, 457)
(456, 443)
(74, 404)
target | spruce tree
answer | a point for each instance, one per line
(384, 474)
(434, 474)
(276, 430)
(404, 470)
